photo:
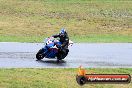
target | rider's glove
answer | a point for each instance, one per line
(59, 46)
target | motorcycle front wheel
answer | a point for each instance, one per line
(40, 55)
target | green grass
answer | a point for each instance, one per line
(81, 39)
(54, 78)
(32, 39)
(31, 20)
(102, 38)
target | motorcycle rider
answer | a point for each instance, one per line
(64, 39)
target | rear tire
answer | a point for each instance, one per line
(65, 54)
(62, 54)
(58, 60)
(40, 55)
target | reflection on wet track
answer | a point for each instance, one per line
(22, 55)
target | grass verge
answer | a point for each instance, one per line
(77, 39)
(85, 20)
(54, 78)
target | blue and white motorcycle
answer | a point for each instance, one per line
(51, 49)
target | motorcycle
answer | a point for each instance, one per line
(51, 50)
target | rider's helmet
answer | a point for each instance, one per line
(62, 32)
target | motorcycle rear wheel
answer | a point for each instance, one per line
(62, 55)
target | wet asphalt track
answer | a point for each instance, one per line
(111, 55)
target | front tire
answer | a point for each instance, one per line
(40, 55)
